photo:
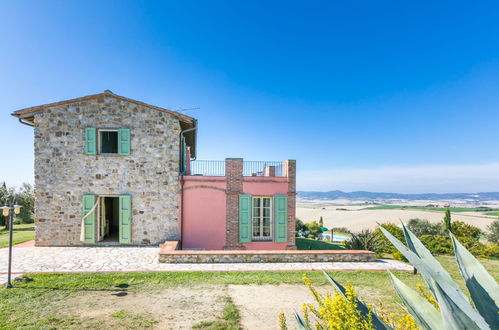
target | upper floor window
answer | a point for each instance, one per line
(107, 141)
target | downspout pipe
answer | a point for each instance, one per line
(181, 153)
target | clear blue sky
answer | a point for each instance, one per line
(374, 95)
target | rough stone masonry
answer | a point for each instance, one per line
(64, 172)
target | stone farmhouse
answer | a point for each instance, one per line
(112, 170)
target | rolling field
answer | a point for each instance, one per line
(356, 218)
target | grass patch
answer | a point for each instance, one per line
(20, 234)
(311, 244)
(496, 214)
(43, 303)
(230, 318)
(434, 209)
(129, 320)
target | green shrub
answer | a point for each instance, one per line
(443, 245)
(461, 229)
(364, 240)
(300, 225)
(314, 228)
(341, 230)
(422, 227)
(311, 236)
(384, 244)
(493, 235)
(399, 256)
(491, 251)
(437, 244)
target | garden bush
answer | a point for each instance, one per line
(398, 256)
(422, 227)
(461, 229)
(300, 225)
(341, 311)
(341, 230)
(384, 244)
(364, 240)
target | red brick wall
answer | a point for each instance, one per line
(234, 179)
(290, 172)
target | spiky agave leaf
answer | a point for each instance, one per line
(453, 316)
(434, 276)
(415, 245)
(423, 312)
(482, 287)
(378, 323)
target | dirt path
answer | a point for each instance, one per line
(260, 305)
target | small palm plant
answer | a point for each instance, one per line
(454, 309)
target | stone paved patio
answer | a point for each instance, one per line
(32, 259)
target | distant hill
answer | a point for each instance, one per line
(367, 195)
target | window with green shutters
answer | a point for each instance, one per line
(263, 218)
(107, 141)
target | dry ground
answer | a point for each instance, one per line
(355, 218)
(173, 308)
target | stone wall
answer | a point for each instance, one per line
(169, 256)
(63, 172)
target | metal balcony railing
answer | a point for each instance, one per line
(262, 168)
(208, 167)
(250, 168)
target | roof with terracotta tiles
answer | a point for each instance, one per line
(31, 110)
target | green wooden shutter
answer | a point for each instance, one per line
(89, 222)
(90, 141)
(124, 141)
(125, 219)
(244, 218)
(281, 217)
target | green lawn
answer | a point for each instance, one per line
(46, 302)
(311, 244)
(496, 214)
(21, 233)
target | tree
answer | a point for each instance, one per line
(493, 236)
(321, 222)
(24, 196)
(447, 220)
(314, 228)
(422, 227)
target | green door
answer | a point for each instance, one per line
(125, 219)
(89, 221)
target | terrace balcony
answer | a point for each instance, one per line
(218, 168)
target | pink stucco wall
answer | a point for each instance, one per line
(204, 214)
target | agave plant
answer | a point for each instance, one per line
(455, 310)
